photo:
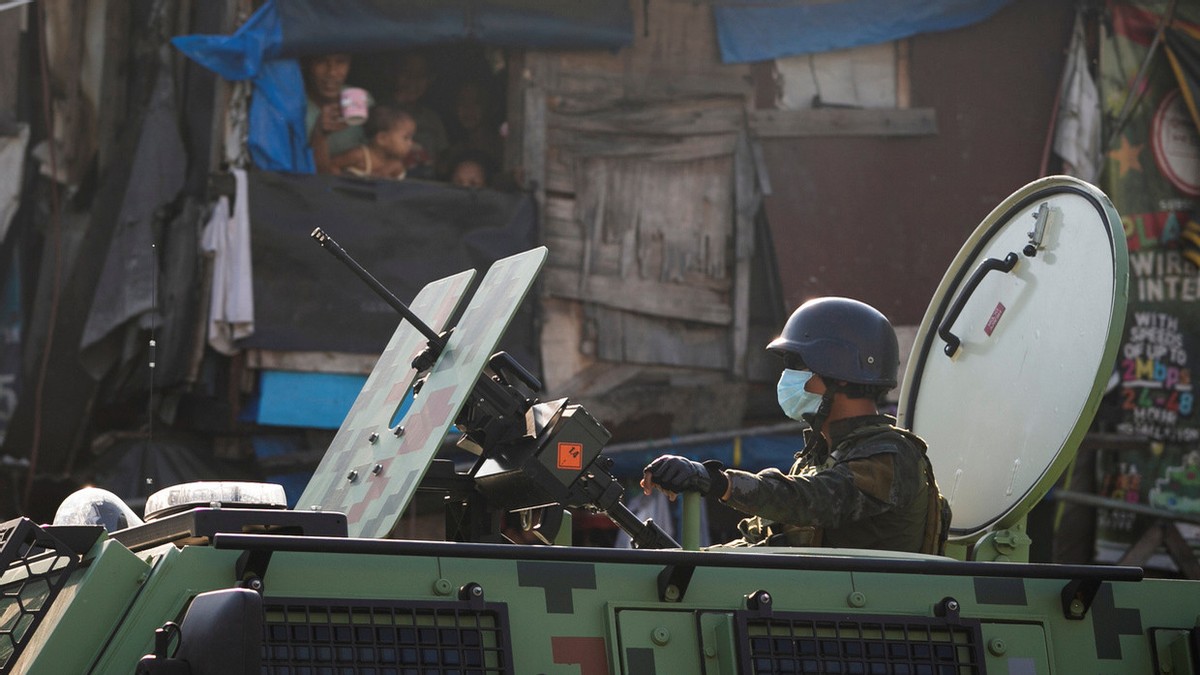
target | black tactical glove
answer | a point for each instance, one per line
(680, 474)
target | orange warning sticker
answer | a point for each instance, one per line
(570, 456)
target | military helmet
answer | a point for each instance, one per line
(842, 339)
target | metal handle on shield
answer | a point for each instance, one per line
(991, 264)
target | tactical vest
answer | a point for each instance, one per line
(876, 532)
(937, 512)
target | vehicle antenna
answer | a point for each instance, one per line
(153, 343)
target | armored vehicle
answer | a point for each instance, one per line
(1007, 370)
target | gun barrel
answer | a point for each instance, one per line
(340, 253)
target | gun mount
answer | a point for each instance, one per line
(530, 454)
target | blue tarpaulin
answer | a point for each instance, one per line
(277, 138)
(761, 30)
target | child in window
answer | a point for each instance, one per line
(412, 78)
(389, 133)
(471, 169)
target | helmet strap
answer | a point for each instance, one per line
(815, 444)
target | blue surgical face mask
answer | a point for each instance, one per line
(793, 398)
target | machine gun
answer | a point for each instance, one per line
(531, 455)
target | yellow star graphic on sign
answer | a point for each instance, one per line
(1127, 157)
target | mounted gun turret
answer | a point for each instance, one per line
(531, 454)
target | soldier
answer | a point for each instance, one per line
(860, 481)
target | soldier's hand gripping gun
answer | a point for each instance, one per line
(531, 454)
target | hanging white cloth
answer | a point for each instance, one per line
(226, 240)
(1077, 134)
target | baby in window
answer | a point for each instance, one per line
(389, 133)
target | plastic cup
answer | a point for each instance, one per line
(355, 103)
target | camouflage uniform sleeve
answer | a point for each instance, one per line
(869, 481)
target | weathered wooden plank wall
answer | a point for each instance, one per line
(644, 171)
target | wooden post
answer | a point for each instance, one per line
(745, 206)
(11, 23)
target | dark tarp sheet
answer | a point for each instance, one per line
(379, 26)
(406, 234)
(761, 30)
(135, 468)
(125, 291)
(278, 140)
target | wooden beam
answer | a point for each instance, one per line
(114, 83)
(74, 122)
(1180, 551)
(678, 118)
(10, 39)
(1108, 441)
(746, 204)
(600, 378)
(533, 134)
(312, 362)
(843, 122)
(903, 76)
(653, 147)
(668, 301)
(514, 140)
(1144, 547)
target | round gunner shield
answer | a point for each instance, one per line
(1011, 359)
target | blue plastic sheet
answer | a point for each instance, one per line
(761, 30)
(239, 56)
(278, 140)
